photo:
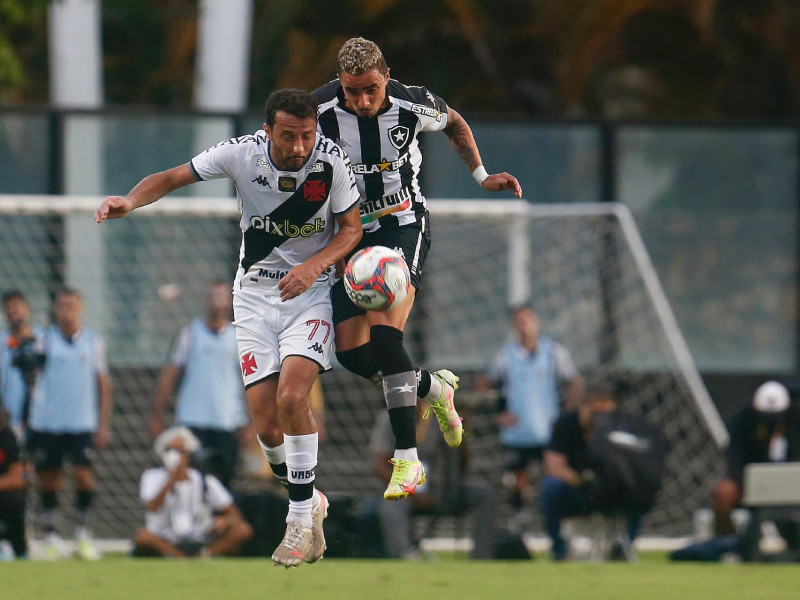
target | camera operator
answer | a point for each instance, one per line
(21, 359)
(189, 512)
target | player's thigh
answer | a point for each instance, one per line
(396, 316)
(79, 448)
(47, 450)
(255, 319)
(308, 330)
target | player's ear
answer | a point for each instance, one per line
(268, 130)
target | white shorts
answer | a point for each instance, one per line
(268, 330)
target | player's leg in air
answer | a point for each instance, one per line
(370, 344)
(278, 374)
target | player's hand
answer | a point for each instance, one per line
(502, 181)
(297, 281)
(113, 207)
(507, 419)
(340, 266)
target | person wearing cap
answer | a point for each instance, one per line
(758, 434)
(189, 513)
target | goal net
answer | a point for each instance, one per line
(583, 266)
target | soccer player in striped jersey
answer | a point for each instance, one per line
(294, 186)
(377, 120)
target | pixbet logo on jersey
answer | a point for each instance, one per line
(287, 229)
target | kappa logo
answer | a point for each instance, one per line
(316, 348)
(398, 136)
(262, 181)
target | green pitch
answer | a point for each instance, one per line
(652, 578)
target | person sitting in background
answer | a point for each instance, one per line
(448, 493)
(189, 513)
(12, 494)
(758, 434)
(582, 465)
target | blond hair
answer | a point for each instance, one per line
(358, 56)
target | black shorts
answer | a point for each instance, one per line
(409, 240)
(519, 457)
(49, 449)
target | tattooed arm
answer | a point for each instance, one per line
(461, 138)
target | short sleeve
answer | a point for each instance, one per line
(100, 363)
(217, 162)
(179, 355)
(218, 497)
(344, 195)
(433, 113)
(565, 366)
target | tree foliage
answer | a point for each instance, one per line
(668, 58)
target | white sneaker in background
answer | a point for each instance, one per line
(54, 548)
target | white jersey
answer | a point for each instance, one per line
(287, 216)
(384, 150)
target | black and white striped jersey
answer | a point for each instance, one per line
(287, 216)
(384, 150)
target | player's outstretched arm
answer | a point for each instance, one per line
(301, 277)
(147, 191)
(461, 138)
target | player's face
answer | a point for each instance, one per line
(526, 323)
(292, 140)
(365, 94)
(68, 310)
(17, 313)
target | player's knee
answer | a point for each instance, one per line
(360, 360)
(387, 344)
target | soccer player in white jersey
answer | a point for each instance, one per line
(376, 120)
(70, 416)
(294, 186)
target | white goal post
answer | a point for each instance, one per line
(583, 266)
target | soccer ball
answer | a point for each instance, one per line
(376, 278)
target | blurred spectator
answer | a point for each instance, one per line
(536, 376)
(20, 358)
(449, 492)
(600, 461)
(189, 513)
(758, 434)
(69, 418)
(204, 367)
(12, 494)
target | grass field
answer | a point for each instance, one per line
(652, 578)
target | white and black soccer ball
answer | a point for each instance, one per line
(376, 278)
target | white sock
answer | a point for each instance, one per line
(276, 455)
(406, 454)
(436, 389)
(301, 462)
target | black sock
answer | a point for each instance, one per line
(404, 426)
(423, 383)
